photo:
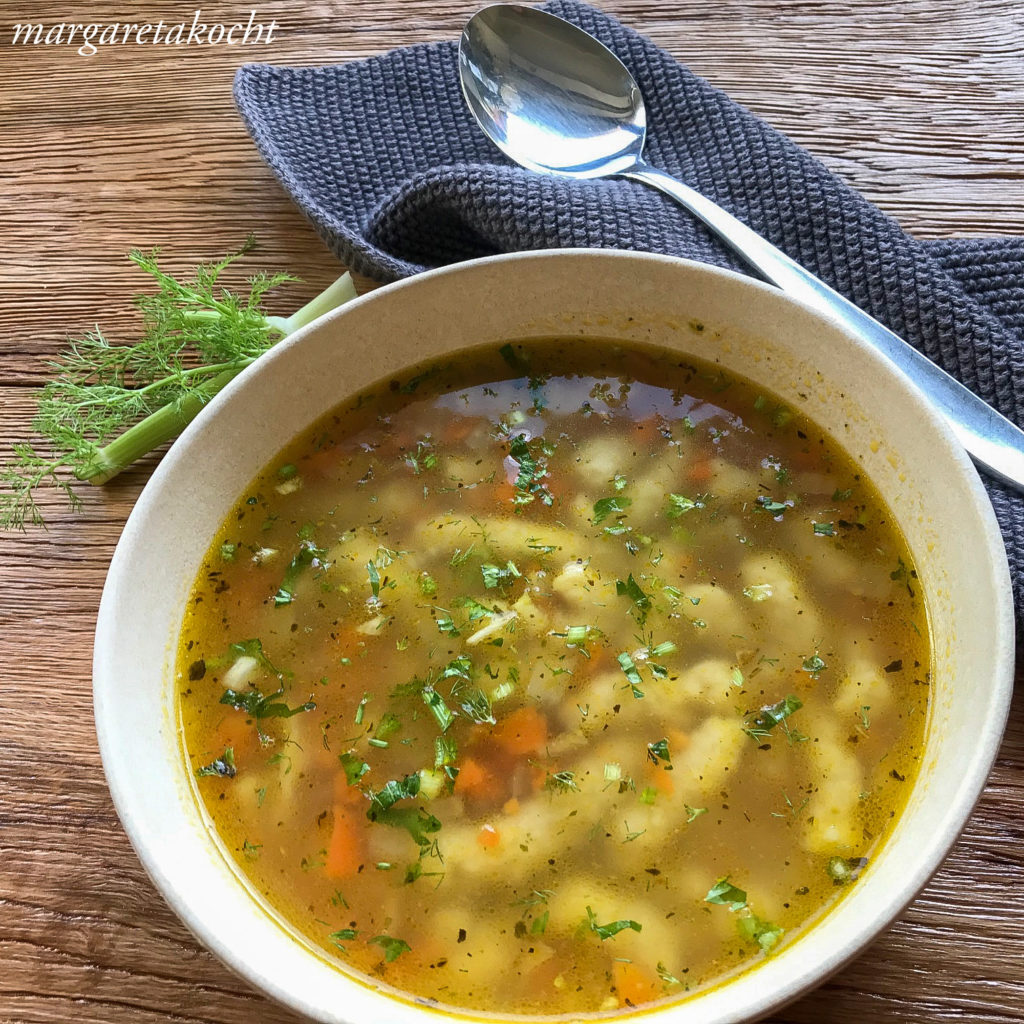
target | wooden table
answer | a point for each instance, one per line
(918, 104)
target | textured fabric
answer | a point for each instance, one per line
(384, 159)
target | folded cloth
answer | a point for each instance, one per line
(385, 160)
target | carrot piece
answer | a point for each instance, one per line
(661, 778)
(345, 852)
(237, 731)
(346, 794)
(511, 806)
(678, 740)
(700, 471)
(525, 731)
(475, 780)
(488, 837)
(633, 984)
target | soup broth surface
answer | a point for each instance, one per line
(536, 692)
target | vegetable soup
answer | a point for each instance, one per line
(529, 691)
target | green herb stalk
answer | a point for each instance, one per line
(110, 405)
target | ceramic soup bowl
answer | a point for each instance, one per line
(751, 329)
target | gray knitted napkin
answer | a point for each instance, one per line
(384, 159)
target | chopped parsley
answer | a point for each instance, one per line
(223, 766)
(424, 457)
(814, 665)
(764, 933)
(724, 893)
(769, 505)
(534, 543)
(251, 649)
(842, 870)
(419, 824)
(308, 555)
(342, 936)
(641, 601)
(614, 506)
(678, 504)
(531, 458)
(393, 948)
(610, 930)
(761, 724)
(476, 705)
(261, 705)
(393, 791)
(445, 623)
(658, 752)
(438, 708)
(355, 767)
(498, 576)
(374, 575)
(631, 672)
(666, 976)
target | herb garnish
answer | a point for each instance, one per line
(224, 766)
(476, 705)
(842, 870)
(341, 936)
(308, 555)
(658, 752)
(498, 576)
(762, 723)
(814, 665)
(607, 931)
(605, 507)
(423, 458)
(110, 405)
(678, 504)
(393, 948)
(355, 767)
(438, 708)
(764, 933)
(641, 601)
(261, 705)
(769, 505)
(631, 672)
(531, 458)
(724, 893)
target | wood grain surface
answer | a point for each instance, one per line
(917, 103)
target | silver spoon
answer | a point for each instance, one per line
(557, 101)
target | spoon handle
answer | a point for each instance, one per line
(993, 442)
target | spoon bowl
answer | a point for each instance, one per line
(551, 97)
(557, 101)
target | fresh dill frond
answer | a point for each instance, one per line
(20, 477)
(108, 405)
